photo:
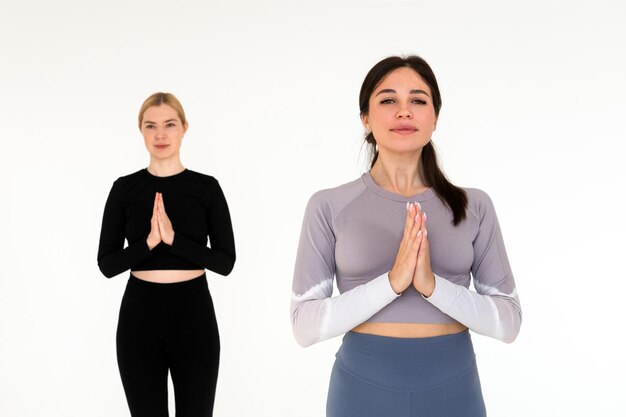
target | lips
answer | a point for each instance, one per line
(404, 129)
(161, 146)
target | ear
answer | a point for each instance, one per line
(185, 127)
(435, 126)
(365, 121)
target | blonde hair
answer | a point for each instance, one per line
(158, 99)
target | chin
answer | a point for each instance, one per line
(404, 149)
(162, 157)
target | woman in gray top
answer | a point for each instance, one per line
(403, 275)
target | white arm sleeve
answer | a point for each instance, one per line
(490, 312)
(315, 314)
(494, 309)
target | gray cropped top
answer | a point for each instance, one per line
(352, 232)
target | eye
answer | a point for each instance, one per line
(171, 124)
(387, 101)
(418, 101)
(149, 126)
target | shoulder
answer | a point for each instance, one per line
(135, 176)
(203, 179)
(196, 182)
(477, 196)
(479, 203)
(339, 195)
(199, 176)
(123, 185)
(205, 186)
(125, 181)
(332, 201)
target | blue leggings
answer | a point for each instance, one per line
(377, 376)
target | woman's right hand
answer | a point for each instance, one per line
(401, 274)
(154, 237)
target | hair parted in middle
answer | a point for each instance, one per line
(452, 196)
(160, 98)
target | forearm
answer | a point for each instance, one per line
(118, 261)
(490, 313)
(218, 260)
(315, 316)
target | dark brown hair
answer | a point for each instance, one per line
(452, 196)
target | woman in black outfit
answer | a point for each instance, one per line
(167, 321)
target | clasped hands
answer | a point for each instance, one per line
(412, 264)
(161, 229)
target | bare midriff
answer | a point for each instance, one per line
(162, 276)
(412, 330)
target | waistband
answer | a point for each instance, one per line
(407, 364)
(193, 284)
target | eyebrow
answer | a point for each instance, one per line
(167, 121)
(389, 90)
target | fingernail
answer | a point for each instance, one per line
(425, 218)
(419, 205)
(425, 232)
(407, 205)
(419, 233)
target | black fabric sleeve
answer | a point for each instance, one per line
(220, 257)
(113, 258)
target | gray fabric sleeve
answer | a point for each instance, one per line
(494, 309)
(315, 314)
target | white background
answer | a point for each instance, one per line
(534, 100)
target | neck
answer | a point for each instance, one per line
(400, 174)
(165, 168)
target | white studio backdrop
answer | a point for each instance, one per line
(533, 103)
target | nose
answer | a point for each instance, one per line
(160, 133)
(404, 112)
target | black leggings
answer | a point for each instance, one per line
(168, 327)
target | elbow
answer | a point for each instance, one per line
(107, 271)
(509, 334)
(303, 339)
(509, 322)
(303, 336)
(108, 266)
(510, 337)
(227, 265)
(226, 271)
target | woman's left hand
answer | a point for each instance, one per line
(165, 225)
(423, 278)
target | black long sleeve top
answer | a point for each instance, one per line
(195, 205)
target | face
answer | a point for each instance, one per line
(162, 132)
(401, 113)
